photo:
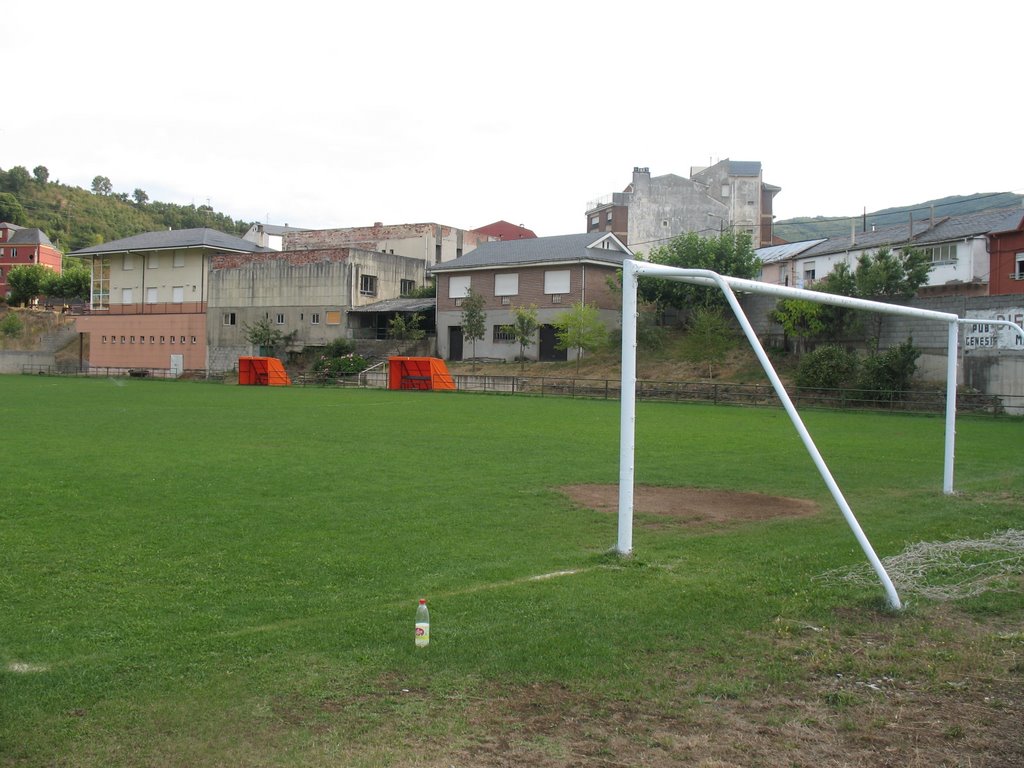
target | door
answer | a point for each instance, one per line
(454, 342)
(548, 340)
(177, 365)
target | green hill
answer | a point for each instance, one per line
(795, 230)
(75, 218)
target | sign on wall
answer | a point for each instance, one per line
(982, 335)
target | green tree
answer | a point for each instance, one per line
(580, 328)
(11, 325)
(523, 327)
(263, 335)
(41, 173)
(27, 281)
(74, 282)
(709, 338)
(18, 178)
(11, 210)
(806, 320)
(474, 319)
(101, 185)
(728, 254)
(140, 196)
(406, 327)
(890, 275)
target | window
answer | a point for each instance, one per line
(129, 261)
(179, 259)
(229, 318)
(458, 286)
(193, 339)
(172, 339)
(126, 295)
(133, 339)
(809, 273)
(152, 340)
(178, 294)
(595, 220)
(122, 340)
(151, 295)
(101, 283)
(725, 190)
(14, 253)
(367, 285)
(333, 317)
(142, 339)
(609, 219)
(182, 339)
(506, 284)
(104, 339)
(407, 287)
(314, 319)
(153, 261)
(556, 298)
(556, 281)
(1019, 274)
(279, 319)
(163, 339)
(503, 333)
(942, 254)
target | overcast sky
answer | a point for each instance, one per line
(323, 114)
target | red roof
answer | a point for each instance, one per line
(505, 231)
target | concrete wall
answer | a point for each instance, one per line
(306, 294)
(663, 207)
(991, 358)
(430, 243)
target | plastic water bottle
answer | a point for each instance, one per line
(422, 624)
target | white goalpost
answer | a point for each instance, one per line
(631, 272)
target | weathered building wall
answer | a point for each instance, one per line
(304, 294)
(663, 207)
(430, 243)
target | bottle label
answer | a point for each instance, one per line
(422, 633)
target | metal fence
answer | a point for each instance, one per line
(717, 393)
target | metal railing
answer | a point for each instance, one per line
(715, 393)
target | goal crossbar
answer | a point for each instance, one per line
(631, 272)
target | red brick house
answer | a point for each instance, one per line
(21, 246)
(1006, 253)
(552, 273)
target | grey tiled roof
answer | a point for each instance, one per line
(773, 253)
(23, 236)
(201, 237)
(744, 168)
(540, 250)
(925, 232)
(397, 305)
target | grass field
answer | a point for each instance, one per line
(209, 575)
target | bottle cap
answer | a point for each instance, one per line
(423, 601)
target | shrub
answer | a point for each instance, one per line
(827, 367)
(11, 325)
(886, 375)
(341, 366)
(339, 348)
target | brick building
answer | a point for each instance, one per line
(22, 246)
(552, 273)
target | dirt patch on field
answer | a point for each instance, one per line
(695, 506)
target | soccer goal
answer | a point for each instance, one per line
(633, 270)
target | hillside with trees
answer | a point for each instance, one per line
(75, 218)
(807, 228)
